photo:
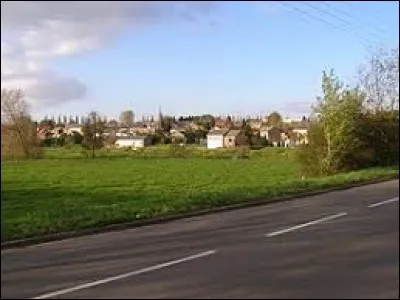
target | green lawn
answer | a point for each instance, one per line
(52, 195)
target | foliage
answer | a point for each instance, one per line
(258, 142)
(379, 135)
(126, 118)
(333, 137)
(18, 131)
(248, 132)
(274, 119)
(166, 123)
(74, 139)
(347, 134)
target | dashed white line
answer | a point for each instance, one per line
(279, 232)
(383, 202)
(122, 276)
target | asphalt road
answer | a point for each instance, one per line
(343, 244)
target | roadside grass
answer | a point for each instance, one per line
(56, 195)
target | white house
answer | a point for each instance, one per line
(264, 131)
(215, 139)
(131, 141)
(301, 131)
(70, 129)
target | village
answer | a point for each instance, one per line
(206, 131)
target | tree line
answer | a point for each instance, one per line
(351, 127)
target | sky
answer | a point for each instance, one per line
(189, 58)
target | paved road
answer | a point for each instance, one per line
(344, 244)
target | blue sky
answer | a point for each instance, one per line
(241, 58)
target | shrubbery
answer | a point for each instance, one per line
(345, 136)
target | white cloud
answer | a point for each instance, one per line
(35, 31)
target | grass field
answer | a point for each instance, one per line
(53, 195)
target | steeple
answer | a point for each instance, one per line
(160, 123)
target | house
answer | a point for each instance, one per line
(215, 139)
(70, 129)
(272, 134)
(220, 123)
(177, 135)
(142, 128)
(58, 131)
(234, 138)
(132, 141)
(300, 131)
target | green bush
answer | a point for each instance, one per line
(310, 157)
(379, 135)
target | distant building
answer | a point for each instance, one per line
(300, 131)
(70, 129)
(272, 134)
(234, 138)
(132, 141)
(215, 139)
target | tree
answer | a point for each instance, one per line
(379, 135)
(93, 130)
(126, 118)
(248, 132)
(207, 121)
(257, 141)
(74, 139)
(47, 124)
(274, 119)
(18, 131)
(379, 79)
(333, 138)
(229, 122)
(113, 124)
(190, 136)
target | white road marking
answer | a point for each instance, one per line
(275, 233)
(122, 276)
(384, 202)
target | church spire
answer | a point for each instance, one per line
(160, 119)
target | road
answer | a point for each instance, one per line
(343, 244)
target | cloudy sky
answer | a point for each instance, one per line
(187, 57)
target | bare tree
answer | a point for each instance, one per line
(127, 118)
(18, 131)
(93, 133)
(379, 79)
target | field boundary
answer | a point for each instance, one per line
(246, 203)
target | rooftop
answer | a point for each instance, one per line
(217, 132)
(234, 132)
